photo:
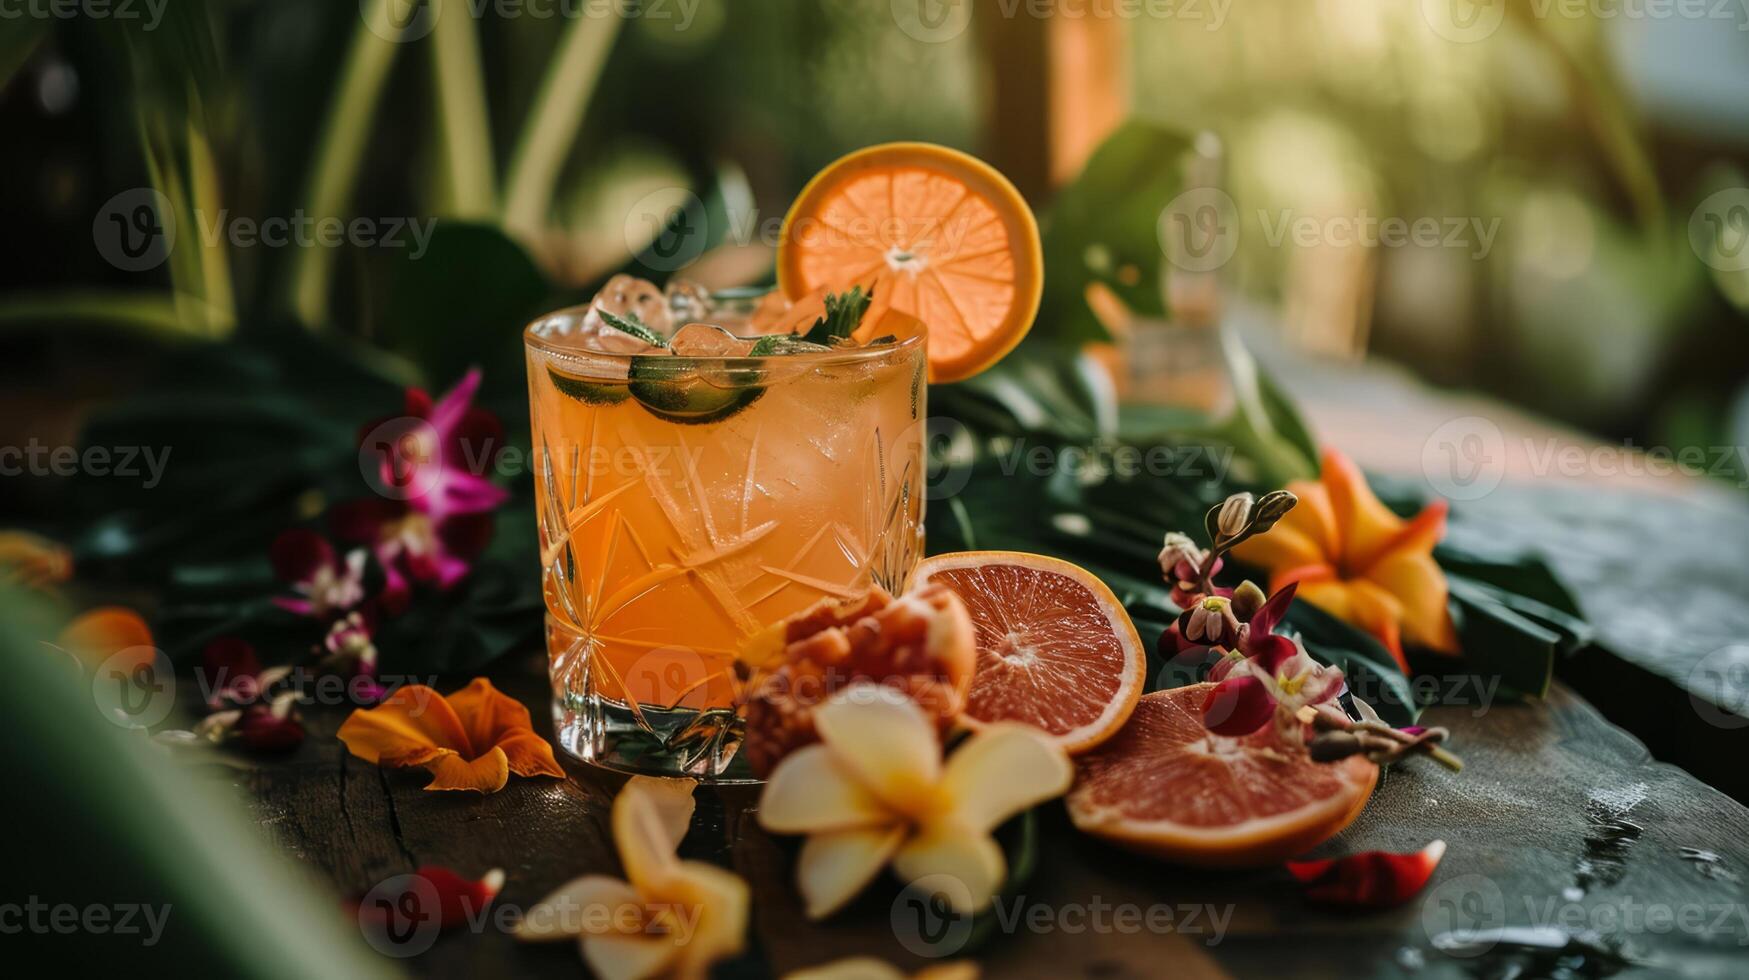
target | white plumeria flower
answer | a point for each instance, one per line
(875, 790)
(669, 918)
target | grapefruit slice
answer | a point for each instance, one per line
(935, 234)
(1166, 786)
(1055, 648)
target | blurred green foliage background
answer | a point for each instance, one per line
(1583, 136)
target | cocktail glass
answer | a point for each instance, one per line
(686, 502)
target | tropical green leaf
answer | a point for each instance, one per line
(440, 316)
(1102, 229)
(115, 819)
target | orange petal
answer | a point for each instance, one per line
(1306, 535)
(412, 727)
(487, 774)
(529, 755)
(1365, 526)
(1314, 515)
(1362, 604)
(1423, 532)
(1282, 547)
(1301, 575)
(98, 634)
(1418, 585)
(487, 714)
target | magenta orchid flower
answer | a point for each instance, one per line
(1265, 676)
(443, 462)
(232, 677)
(326, 582)
(245, 712)
(412, 546)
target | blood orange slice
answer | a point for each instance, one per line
(1166, 786)
(1055, 648)
(935, 234)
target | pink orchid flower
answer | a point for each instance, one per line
(412, 546)
(327, 583)
(244, 711)
(442, 462)
(1266, 676)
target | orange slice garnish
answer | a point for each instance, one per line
(935, 234)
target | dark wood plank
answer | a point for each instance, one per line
(1518, 820)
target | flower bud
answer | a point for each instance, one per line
(1235, 514)
(1178, 555)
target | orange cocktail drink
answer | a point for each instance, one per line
(689, 494)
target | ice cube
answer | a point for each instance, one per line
(583, 329)
(628, 295)
(777, 315)
(595, 334)
(687, 300)
(708, 340)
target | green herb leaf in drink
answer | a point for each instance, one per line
(843, 315)
(630, 324)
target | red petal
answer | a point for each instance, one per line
(418, 403)
(1237, 706)
(458, 897)
(260, 730)
(1270, 650)
(1265, 619)
(298, 552)
(1372, 879)
(227, 658)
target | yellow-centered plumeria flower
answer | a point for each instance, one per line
(876, 790)
(670, 918)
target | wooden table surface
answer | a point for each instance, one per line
(1527, 823)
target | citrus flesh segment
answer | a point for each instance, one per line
(1168, 787)
(1055, 648)
(933, 233)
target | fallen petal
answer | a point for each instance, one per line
(1372, 879)
(458, 899)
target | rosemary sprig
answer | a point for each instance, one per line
(843, 315)
(634, 326)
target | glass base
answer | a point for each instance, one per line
(649, 741)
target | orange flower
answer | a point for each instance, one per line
(1358, 561)
(98, 634)
(33, 562)
(472, 740)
